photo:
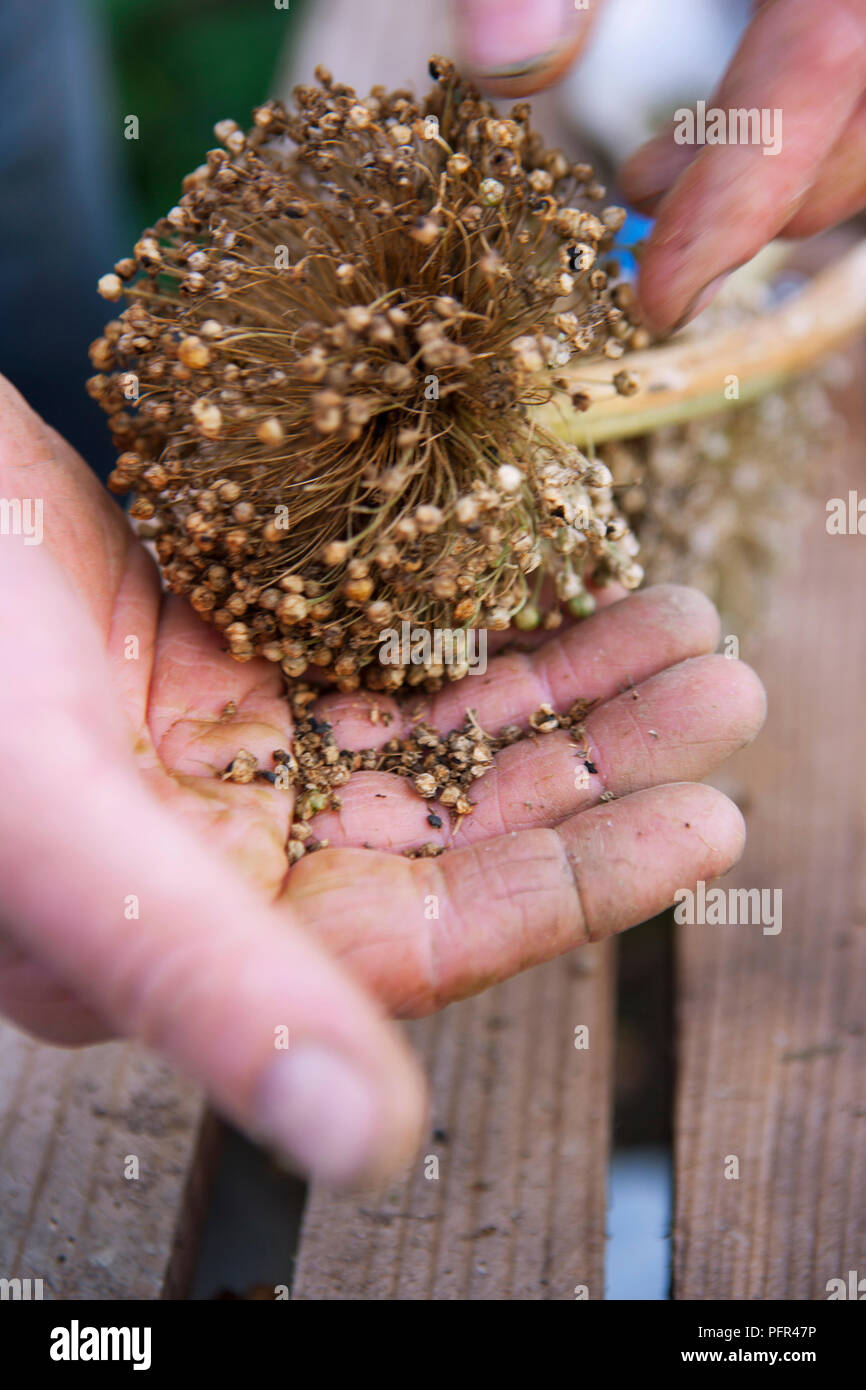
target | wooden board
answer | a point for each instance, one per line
(520, 1126)
(772, 1036)
(69, 1121)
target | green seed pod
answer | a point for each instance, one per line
(581, 606)
(528, 618)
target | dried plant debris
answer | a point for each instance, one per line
(717, 503)
(321, 383)
(441, 768)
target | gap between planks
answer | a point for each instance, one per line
(520, 1125)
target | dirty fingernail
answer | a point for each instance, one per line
(501, 35)
(319, 1110)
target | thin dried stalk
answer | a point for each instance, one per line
(682, 381)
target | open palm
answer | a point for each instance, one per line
(144, 895)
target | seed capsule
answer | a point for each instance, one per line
(270, 431)
(110, 286)
(194, 353)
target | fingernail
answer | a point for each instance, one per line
(500, 36)
(319, 1110)
(694, 307)
(707, 295)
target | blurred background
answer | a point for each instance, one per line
(76, 190)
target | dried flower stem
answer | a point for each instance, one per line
(685, 380)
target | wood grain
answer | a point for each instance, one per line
(521, 1128)
(69, 1120)
(772, 1035)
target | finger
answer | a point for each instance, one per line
(652, 170)
(622, 644)
(839, 191)
(679, 725)
(203, 706)
(81, 525)
(513, 47)
(512, 639)
(156, 935)
(36, 1000)
(732, 199)
(460, 923)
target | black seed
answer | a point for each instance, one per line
(434, 820)
(590, 767)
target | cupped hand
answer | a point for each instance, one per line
(143, 895)
(717, 205)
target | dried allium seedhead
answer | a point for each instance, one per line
(333, 343)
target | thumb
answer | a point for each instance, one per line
(514, 47)
(105, 887)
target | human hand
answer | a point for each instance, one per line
(716, 205)
(111, 799)
(515, 47)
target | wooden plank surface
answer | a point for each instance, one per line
(520, 1126)
(772, 1037)
(69, 1123)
